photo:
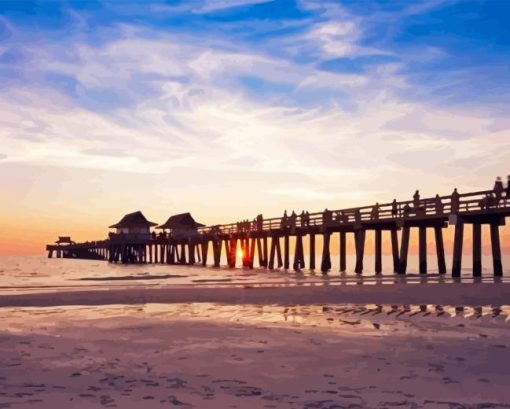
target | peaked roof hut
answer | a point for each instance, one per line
(132, 222)
(64, 240)
(183, 221)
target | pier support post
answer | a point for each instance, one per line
(359, 237)
(177, 253)
(233, 253)
(422, 243)
(183, 253)
(205, 250)
(343, 253)
(259, 252)
(264, 249)
(171, 255)
(326, 256)
(272, 254)
(301, 253)
(477, 250)
(299, 260)
(245, 249)
(227, 250)
(496, 250)
(404, 250)
(457, 248)
(216, 246)
(191, 251)
(163, 253)
(312, 251)
(286, 258)
(394, 250)
(198, 249)
(279, 253)
(252, 253)
(378, 251)
(441, 263)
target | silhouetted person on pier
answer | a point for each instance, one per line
(308, 218)
(374, 215)
(439, 205)
(285, 220)
(508, 187)
(482, 202)
(394, 208)
(455, 201)
(490, 200)
(302, 217)
(416, 199)
(292, 220)
(407, 210)
(260, 222)
(485, 202)
(153, 235)
(498, 190)
(327, 217)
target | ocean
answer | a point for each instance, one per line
(35, 272)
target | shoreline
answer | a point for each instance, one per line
(469, 294)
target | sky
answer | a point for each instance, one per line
(231, 108)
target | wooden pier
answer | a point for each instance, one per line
(269, 239)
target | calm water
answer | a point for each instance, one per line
(39, 271)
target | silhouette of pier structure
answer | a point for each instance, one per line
(183, 241)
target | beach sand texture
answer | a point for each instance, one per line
(204, 355)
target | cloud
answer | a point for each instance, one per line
(215, 5)
(356, 137)
(3, 156)
(109, 152)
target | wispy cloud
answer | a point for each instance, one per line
(214, 5)
(151, 101)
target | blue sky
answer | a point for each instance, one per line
(312, 104)
(448, 51)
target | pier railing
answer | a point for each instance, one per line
(441, 206)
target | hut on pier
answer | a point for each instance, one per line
(64, 241)
(181, 226)
(133, 225)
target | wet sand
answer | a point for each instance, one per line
(214, 356)
(309, 293)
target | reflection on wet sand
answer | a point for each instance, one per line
(206, 355)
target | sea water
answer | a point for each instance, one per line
(40, 272)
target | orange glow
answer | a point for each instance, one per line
(240, 253)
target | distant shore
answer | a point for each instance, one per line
(438, 293)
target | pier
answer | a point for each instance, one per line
(266, 242)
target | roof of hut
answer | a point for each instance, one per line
(180, 221)
(135, 219)
(64, 240)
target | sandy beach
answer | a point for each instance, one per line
(204, 355)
